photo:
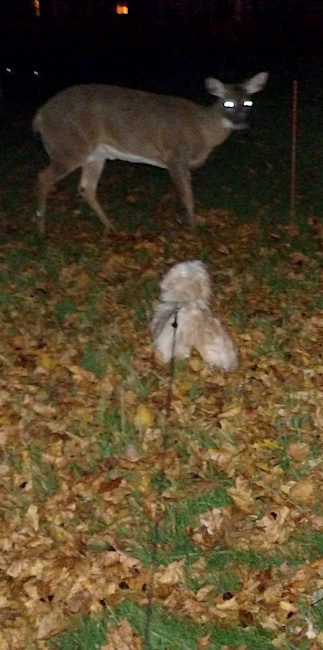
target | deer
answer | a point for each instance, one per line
(84, 125)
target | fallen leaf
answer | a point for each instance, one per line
(122, 637)
(143, 418)
(299, 451)
(241, 494)
(303, 492)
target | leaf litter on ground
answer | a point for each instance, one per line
(83, 402)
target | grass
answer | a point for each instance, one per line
(77, 363)
(167, 633)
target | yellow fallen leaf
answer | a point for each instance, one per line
(287, 606)
(143, 418)
(5, 420)
(46, 362)
(231, 604)
(230, 413)
(270, 444)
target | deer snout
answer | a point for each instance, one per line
(240, 126)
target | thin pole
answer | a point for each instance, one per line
(293, 162)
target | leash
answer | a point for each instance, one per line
(161, 481)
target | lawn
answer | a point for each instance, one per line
(145, 506)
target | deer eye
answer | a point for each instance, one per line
(248, 103)
(228, 104)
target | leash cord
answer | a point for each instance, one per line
(159, 501)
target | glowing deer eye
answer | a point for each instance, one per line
(248, 102)
(228, 104)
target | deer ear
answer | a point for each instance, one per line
(214, 87)
(256, 83)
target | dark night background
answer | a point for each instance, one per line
(67, 41)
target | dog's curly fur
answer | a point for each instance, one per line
(185, 292)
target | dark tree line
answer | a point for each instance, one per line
(240, 9)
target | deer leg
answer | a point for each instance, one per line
(46, 181)
(47, 178)
(181, 178)
(91, 172)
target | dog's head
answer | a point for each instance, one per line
(186, 281)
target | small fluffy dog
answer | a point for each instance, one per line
(185, 291)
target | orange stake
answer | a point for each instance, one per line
(294, 141)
